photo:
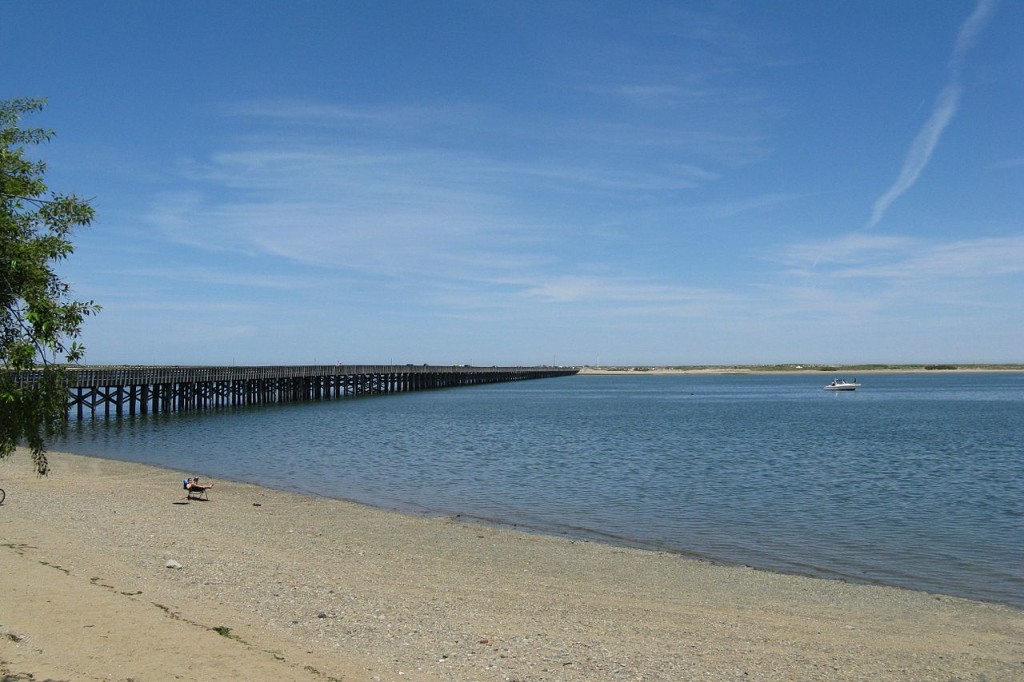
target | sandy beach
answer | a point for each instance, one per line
(110, 574)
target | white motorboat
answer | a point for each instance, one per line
(842, 385)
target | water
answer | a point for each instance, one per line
(914, 480)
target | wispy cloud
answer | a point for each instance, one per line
(966, 259)
(900, 258)
(877, 281)
(410, 212)
(671, 177)
(354, 200)
(611, 289)
(969, 33)
(395, 118)
(699, 140)
(920, 151)
(1010, 163)
(945, 107)
(743, 205)
(660, 96)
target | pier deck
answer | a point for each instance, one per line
(96, 391)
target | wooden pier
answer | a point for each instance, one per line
(107, 391)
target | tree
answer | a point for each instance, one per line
(39, 322)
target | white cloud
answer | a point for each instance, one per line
(920, 150)
(1010, 163)
(866, 255)
(974, 258)
(846, 250)
(942, 113)
(392, 118)
(969, 32)
(752, 204)
(615, 298)
(580, 288)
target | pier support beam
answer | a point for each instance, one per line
(167, 389)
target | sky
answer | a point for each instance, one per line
(562, 182)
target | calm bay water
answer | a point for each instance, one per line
(916, 480)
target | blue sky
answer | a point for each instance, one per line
(536, 182)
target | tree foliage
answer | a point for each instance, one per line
(39, 321)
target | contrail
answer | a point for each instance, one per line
(945, 107)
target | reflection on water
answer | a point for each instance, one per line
(914, 480)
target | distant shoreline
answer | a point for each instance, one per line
(641, 370)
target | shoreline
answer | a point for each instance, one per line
(755, 371)
(286, 586)
(574, 534)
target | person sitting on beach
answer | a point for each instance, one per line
(193, 487)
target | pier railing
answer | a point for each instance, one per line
(153, 389)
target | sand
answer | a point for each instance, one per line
(277, 586)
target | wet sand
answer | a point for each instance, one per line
(277, 586)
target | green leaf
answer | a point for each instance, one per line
(39, 321)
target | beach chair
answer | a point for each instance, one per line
(194, 493)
